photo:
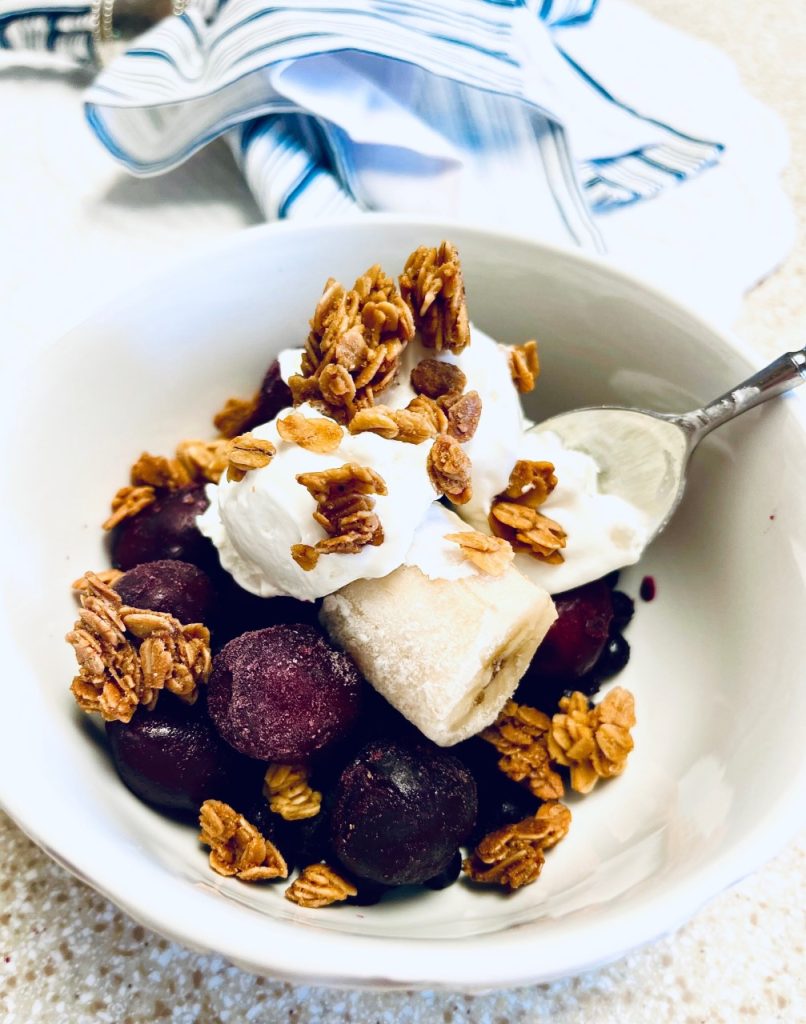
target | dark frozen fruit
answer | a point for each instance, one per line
(369, 893)
(623, 611)
(178, 588)
(173, 758)
(274, 396)
(501, 801)
(164, 529)
(283, 693)
(400, 812)
(572, 645)
(447, 876)
(612, 659)
(648, 588)
(301, 842)
(241, 612)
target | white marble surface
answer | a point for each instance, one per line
(72, 233)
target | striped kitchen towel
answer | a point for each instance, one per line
(567, 120)
(466, 108)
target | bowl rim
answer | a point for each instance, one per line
(296, 950)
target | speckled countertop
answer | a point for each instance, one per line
(66, 954)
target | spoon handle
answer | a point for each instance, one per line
(783, 374)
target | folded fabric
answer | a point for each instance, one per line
(531, 115)
(65, 30)
(460, 108)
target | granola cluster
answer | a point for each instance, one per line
(286, 788)
(513, 856)
(126, 656)
(524, 366)
(313, 433)
(433, 286)
(449, 469)
(426, 416)
(514, 513)
(247, 452)
(438, 380)
(421, 419)
(594, 742)
(491, 555)
(353, 349)
(345, 509)
(444, 384)
(236, 847)
(234, 415)
(520, 735)
(319, 886)
(194, 462)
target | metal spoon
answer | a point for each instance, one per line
(643, 456)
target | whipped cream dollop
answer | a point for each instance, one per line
(255, 521)
(494, 447)
(605, 532)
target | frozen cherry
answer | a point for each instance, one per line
(241, 612)
(179, 588)
(165, 529)
(283, 693)
(623, 611)
(400, 812)
(574, 642)
(172, 757)
(274, 396)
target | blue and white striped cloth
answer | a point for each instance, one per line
(64, 30)
(560, 119)
(471, 109)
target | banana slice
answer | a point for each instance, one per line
(447, 654)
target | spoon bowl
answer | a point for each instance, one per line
(643, 456)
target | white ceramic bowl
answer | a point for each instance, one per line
(716, 782)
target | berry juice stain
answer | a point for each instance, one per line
(648, 590)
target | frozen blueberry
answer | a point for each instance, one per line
(269, 825)
(613, 658)
(179, 588)
(283, 693)
(173, 758)
(447, 876)
(572, 645)
(400, 812)
(165, 529)
(623, 611)
(274, 396)
(369, 892)
(501, 801)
